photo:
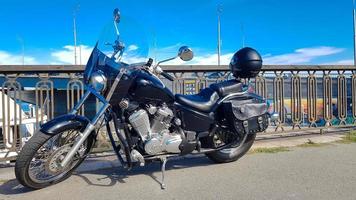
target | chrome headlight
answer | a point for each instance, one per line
(98, 81)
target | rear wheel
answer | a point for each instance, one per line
(38, 164)
(233, 153)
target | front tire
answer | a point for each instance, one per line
(29, 155)
(232, 154)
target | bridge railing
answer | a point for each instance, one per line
(306, 97)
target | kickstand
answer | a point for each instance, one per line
(163, 169)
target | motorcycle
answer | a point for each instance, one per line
(144, 121)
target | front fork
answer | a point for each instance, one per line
(90, 127)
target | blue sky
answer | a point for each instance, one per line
(284, 31)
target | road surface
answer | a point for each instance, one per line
(327, 172)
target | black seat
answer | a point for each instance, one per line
(206, 99)
(227, 87)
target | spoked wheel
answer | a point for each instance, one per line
(239, 148)
(38, 164)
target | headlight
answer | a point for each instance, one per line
(98, 81)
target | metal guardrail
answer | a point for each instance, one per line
(306, 97)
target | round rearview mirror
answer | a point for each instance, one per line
(185, 53)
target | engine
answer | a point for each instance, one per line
(153, 124)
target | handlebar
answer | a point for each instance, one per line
(149, 62)
(159, 70)
(167, 76)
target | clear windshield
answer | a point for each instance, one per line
(124, 40)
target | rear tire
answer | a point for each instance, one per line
(232, 154)
(29, 151)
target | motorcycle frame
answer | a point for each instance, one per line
(126, 144)
(105, 108)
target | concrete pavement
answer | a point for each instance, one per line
(326, 172)
(109, 160)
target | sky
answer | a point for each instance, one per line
(283, 31)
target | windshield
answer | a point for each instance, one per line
(123, 39)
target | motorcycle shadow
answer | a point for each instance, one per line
(12, 187)
(115, 176)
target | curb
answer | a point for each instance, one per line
(294, 141)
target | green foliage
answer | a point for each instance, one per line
(312, 144)
(270, 150)
(349, 138)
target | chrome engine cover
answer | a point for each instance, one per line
(163, 143)
(141, 123)
(155, 134)
(162, 119)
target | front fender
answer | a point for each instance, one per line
(64, 122)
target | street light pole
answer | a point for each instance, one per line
(75, 32)
(219, 33)
(354, 21)
(75, 41)
(75, 38)
(80, 54)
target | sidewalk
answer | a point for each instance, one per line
(296, 139)
(108, 160)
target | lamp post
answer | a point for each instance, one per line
(80, 55)
(219, 33)
(75, 33)
(75, 40)
(354, 21)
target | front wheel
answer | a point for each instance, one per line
(38, 163)
(233, 153)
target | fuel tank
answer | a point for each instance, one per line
(148, 88)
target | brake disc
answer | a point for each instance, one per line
(53, 164)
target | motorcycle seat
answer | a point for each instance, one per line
(203, 101)
(227, 87)
(207, 98)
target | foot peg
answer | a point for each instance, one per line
(137, 157)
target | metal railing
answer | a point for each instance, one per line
(306, 97)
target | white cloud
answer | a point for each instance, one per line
(66, 55)
(299, 56)
(208, 59)
(341, 62)
(163, 53)
(199, 59)
(302, 56)
(133, 59)
(170, 49)
(132, 47)
(7, 58)
(212, 59)
(345, 62)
